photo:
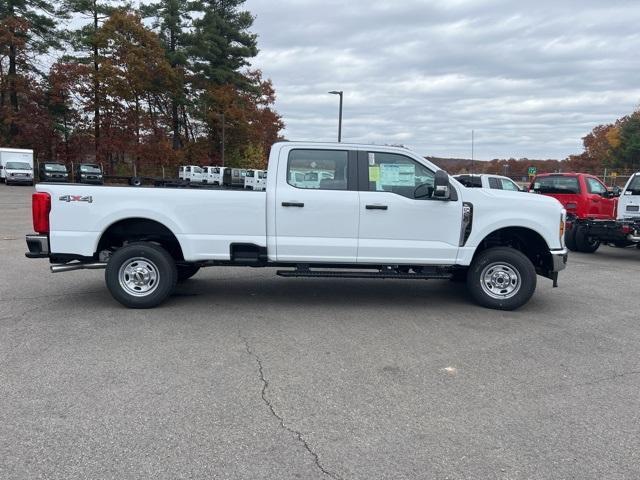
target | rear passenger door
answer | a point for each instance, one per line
(316, 209)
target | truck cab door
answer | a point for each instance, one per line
(316, 207)
(399, 224)
(601, 205)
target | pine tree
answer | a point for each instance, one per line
(172, 21)
(83, 41)
(29, 28)
(221, 43)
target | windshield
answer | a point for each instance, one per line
(54, 167)
(559, 184)
(89, 169)
(634, 186)
(18, 166)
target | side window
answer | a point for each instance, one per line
(595, 186)
(495, 183)
(318, 169)
(391, 172)
(509, 185)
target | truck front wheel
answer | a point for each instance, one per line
(501, 278)
(141, 275)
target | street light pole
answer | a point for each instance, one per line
(341, 93)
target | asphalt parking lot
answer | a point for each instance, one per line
(245, 375)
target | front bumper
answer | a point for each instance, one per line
(559, 258)
(14, 180)
(38, 246)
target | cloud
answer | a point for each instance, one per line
(530, 77)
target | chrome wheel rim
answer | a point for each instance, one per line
(500, 280)
(139, 277)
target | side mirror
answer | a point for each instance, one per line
(442, 187)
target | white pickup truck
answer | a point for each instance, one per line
(377, 212)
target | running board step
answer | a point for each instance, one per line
(431, 275)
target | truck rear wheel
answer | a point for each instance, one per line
(502, 278)
(570, 239)
(584, 242)
(141, 275)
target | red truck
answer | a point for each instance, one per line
(591, 209)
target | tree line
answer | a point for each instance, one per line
(151, 86)
(612, 148)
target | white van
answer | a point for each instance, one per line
(256, 180)
(191, 173)
(16, 165)
(213, 175)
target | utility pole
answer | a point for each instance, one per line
(223, 135)
(472, 149)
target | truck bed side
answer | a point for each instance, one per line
(205, 222)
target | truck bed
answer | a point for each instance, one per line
(80, 213)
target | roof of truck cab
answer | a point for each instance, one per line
(343, 144)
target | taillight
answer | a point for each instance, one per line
(40, 207)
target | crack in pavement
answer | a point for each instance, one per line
(299, 435)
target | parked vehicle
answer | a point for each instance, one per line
(89, 173)
(385, 212)
(629, 202)
(234, 177)
(212, 175)
(53, 172)
(21, 160)
(18, 173)
(494, 182)
(591, 211)
(255, 179)
(191, 174)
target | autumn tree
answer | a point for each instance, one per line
(137, 81)
(27, 29)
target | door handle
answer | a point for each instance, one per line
(293, 204)
(377, 207)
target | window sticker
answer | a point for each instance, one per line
(398, 175)
(389, 174)
(372, 159)
(374, 174)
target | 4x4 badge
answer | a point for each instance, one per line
(76, 198)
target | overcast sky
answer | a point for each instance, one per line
(531, 77)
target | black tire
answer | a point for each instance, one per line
(584, 242)
(135, 181)
(570, 239)
(185, 272)
(154, 266)
(512, 279)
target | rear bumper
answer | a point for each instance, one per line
(560, 258)
(38, 246)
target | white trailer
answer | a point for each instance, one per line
(17, 157)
